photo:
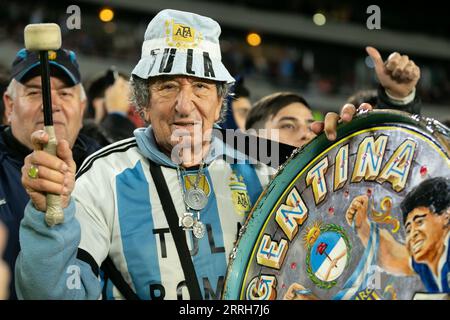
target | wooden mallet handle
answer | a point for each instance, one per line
(43, 37)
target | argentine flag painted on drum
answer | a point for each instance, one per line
(329, 256)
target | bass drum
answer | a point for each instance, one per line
(331, 224)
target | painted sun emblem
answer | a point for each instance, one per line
(312, 233)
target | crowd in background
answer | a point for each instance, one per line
(307, 66)
(109, 115)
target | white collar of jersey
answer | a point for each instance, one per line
(148, 147)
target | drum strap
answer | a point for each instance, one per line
(251, 142)
(115, 276)
(117, 279)
(178, 233)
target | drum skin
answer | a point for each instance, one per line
(330, 224)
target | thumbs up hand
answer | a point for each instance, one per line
(398, 74)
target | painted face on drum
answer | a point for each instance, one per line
(425, 234)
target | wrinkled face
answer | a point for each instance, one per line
(425, 233)
(293, 122)
(241, 108)
(25, 110)
(182, 106)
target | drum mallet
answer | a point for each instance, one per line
(43, 37)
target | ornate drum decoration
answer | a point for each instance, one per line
(305, 240)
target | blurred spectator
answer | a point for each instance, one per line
(96, 108)
(287, 112)
(364, 96)
(4, 80)
(109, 107)
(239, 106)
(273, 61)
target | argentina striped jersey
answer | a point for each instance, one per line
(121, 216)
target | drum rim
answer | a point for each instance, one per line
(237, 269)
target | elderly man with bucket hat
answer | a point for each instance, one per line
(158, 213)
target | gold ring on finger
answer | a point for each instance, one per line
(33, 172)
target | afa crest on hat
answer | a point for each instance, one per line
(182, 43)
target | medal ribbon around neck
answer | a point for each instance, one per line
(195, 199)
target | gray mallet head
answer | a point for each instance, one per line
(42, 37)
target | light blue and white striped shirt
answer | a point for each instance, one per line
(120, 215)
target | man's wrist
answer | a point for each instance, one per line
(401, 101)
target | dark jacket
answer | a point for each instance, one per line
(384, 102)
(117, 127)
(112, 128)
(13, 197)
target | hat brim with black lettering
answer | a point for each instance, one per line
(63, 65)
(182, 43)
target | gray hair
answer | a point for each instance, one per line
(140, 95)
(11, 89)
(83, 96)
